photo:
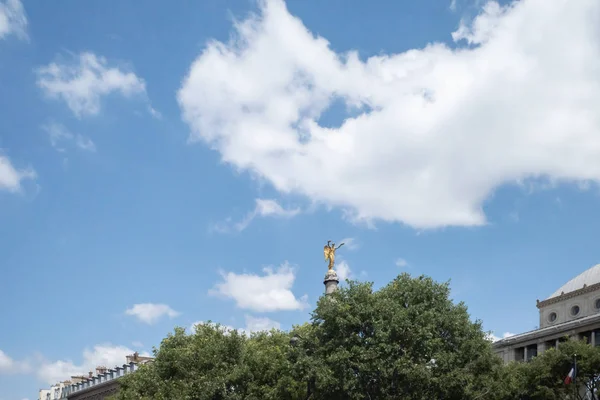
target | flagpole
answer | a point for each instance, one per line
(575, 376)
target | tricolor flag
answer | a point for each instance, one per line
(571, 377)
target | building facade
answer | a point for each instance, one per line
(95, 386)
(572, 312)
(55, 392)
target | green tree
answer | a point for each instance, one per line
(543, 377)
(215, 364)
(407, 340)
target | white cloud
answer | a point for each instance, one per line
(263, 208)
(12, 19)
(150, 313)
(82, 83)
(10, 177)
(137, 343)
(343, 270)
(85, 143)
(494, 338)
(155, 113)
(269, 207)
(59, 135)
(105, 355)
(11, 366)
(253, 324)
(5, 361)
(350, 243)
(401, 262)
(438, 129)
(257, 324)
(224, 328)
(484, 27)
(262, 293)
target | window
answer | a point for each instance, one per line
(552, 317)
(597, 304)
(531, 351)
(574, 310)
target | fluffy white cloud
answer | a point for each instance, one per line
(253, 324)
(11, 366)
(495, 338)
(257, 324)
(343, 270)
(59, 135)
(483, 27)
(401, 262)
(268, 292)
(434, 131)
(263, 208)
(150, 313)
(10, 177)
(453, 5)
(82, 83)
(105, 355)
(12, 19)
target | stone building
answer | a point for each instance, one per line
(573, 311)
(55, 392)
(97, 386)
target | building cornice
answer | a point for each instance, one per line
(554, 330)
(566, 296)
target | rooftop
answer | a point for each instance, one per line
(558, 329)
(586, 278)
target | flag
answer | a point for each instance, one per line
(571, 377)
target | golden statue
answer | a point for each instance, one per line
(329, 251)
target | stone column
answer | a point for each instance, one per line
(593, 338)
(331, 281)
(525, 353)
(541, 347)
(510, 354)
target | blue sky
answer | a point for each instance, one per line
(167, 164)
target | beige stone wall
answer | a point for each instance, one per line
(585, 301)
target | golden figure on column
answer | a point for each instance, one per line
(329, 251)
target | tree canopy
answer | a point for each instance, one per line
(406, 340)
(543, 377)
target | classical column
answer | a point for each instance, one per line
(525, 353)
(331, 281)
(541, 347)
